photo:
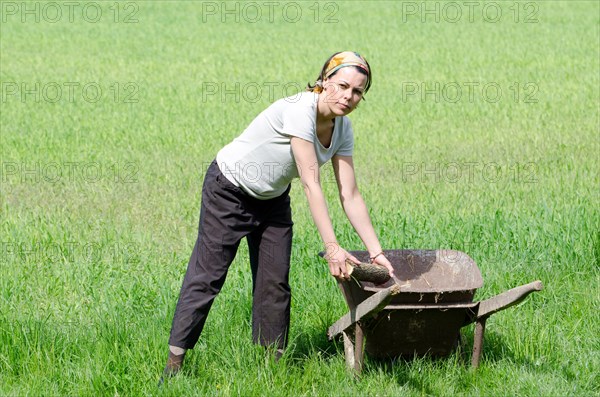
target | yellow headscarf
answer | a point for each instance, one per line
(343, 59)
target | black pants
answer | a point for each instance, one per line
(227, 215)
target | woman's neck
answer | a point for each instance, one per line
(324, 115)
(325, 123)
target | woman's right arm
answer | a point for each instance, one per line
(308, 169)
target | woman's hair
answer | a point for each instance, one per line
(318, 86)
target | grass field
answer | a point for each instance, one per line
(481, 133)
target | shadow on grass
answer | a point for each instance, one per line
(495, 349)
(312, 341)
(412, 370)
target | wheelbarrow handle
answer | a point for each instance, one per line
(369, 307)
(507, 299)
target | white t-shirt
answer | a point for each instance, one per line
(260, 161)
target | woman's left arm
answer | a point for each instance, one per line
(356, 209)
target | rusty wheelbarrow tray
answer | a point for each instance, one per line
(423, 313)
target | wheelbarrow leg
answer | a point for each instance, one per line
(359, 339)
(348, 351)
(349, 326)
(354, 351)
(478, 342)
(495, 304)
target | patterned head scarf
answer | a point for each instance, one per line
(340, 60)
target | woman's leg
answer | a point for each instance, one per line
(223, 223)
(270, 250)
(203, 280)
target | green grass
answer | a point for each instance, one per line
(92, 259)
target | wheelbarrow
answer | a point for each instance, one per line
(422, 311)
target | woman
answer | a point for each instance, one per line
(245, 194)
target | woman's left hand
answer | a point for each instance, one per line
(383, 261)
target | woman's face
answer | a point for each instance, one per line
(344, 90)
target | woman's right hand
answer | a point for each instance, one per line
(336, 258)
